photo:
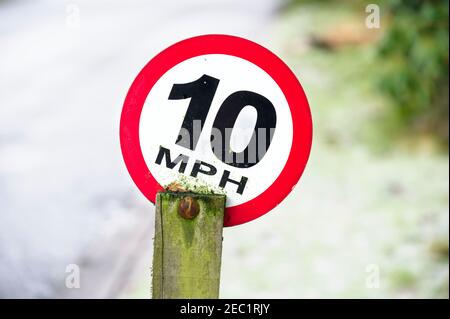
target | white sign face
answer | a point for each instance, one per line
(162, 119)
(219, 112)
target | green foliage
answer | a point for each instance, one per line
(414, 67)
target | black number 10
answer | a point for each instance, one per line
(201, 92)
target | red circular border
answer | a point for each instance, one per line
(238, 47)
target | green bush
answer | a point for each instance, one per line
(414, 63)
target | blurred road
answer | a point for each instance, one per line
(65, 195)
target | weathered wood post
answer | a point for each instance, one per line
(188, 245)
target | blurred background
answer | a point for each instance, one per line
(368, 219)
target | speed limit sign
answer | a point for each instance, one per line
(222, 112)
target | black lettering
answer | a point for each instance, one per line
(226, 178)
(198, 169)
(164, 152)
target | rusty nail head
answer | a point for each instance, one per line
(188, 207)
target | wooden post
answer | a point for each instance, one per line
(188, 245)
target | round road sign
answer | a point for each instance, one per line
(218, 112)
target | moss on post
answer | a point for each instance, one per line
(187, 252)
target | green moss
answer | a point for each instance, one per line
(188, 231)
(197, 185)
